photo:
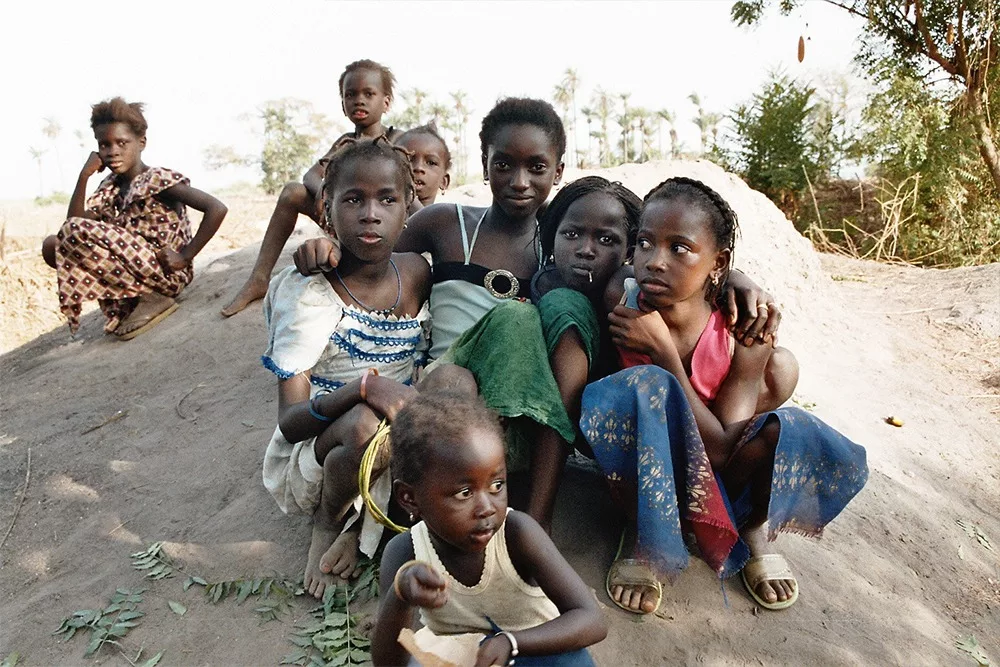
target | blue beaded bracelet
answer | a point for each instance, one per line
(315, 413)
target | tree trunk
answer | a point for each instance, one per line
(984, 135)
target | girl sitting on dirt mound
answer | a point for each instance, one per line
(344, 345)
(689, 435)
(491, 587)
(130, 248)
(586, 234)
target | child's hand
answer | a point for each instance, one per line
(750, 311)
(386, 396)
(172, 260)
(641, 332)
(93, 165)
(494, 651)
(317, 256)
(421, 585)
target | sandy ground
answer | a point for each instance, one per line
(895, 580)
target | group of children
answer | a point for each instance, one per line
(432, 347)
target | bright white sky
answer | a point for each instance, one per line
(199, 66)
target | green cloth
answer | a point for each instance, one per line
(508, 353)
(563, 308)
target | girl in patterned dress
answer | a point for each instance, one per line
(689, 434)
(130, 247)
(345, 345)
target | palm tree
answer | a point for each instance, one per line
(36, 154)
(712, 120)
(702, 120)
(52, 129)
(603, 105)
(462, 121)
(625, 122)
(562, 98)
(666, 116)
(589, 115)
(571, 82)
(439, 114)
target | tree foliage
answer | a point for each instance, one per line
(935, 69)
(774, 146)
(292, 134)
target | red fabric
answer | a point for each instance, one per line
(711, 358)
(704, 511)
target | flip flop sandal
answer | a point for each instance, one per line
(631, 572)
(152, 322)
(769, 567)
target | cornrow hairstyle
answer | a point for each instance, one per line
(117, 110)
(523, 111)
(549, 221)
(435, 418)
(722, 217)
(388, 80)
(430, 129)
(379, 148)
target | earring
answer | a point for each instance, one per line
(715, 280)
(413, 517)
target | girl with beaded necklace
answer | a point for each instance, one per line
(345, 344)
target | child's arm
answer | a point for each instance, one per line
(214, 210)
(737, 399)
(749, 309)
(295, 411)
(580, 622)
(313, 179)
(420, 585)
(77, 203)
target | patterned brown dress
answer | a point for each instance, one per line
(113, 259)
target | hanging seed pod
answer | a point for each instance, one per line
(802, 48)
(950, 36)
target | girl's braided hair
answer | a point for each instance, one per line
(722, 217)
(548, 222)
(353, 149)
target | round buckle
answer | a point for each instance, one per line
(506, 275)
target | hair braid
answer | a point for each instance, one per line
(725, 225)
(353, 149)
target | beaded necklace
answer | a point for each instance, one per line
(384, 312)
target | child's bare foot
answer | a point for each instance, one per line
(333, 557)
(767, 575)
(341, 559)
(315, 580)
(252, 290)
(152, 308)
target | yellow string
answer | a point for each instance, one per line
(380, 439)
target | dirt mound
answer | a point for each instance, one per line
(162, 438)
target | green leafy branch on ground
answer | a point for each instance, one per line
(155, 560)
(108, 625)
(330, 638)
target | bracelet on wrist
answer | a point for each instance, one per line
(364, 383)
(513, 646)
(314, 409)
(395, 580)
